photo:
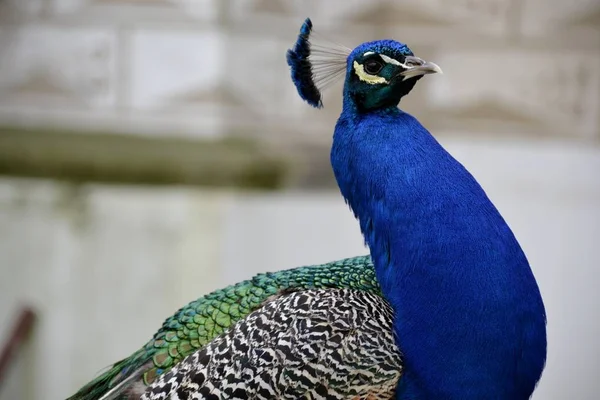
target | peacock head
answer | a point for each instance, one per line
(378, 74)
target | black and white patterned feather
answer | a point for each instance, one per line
(312, 344)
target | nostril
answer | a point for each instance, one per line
(413, 61)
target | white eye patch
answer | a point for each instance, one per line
(373, 79)
(390, 60)
(359, 69)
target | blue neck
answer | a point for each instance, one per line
(469, 316)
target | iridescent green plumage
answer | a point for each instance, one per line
(199, 322)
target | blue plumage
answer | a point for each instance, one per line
(470, 320)
(301, 67)
(391, 47)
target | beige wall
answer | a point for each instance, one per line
(105, 265)
(208, 67)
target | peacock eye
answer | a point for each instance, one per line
(372, 67)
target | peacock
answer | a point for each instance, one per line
(445, 307)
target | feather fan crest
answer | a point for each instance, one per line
(315, 65)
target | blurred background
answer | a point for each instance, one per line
(154, 150)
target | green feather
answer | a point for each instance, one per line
(199, 322)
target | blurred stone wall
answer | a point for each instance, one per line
(202, 68)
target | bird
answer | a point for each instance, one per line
(445, 307)
(469, 317)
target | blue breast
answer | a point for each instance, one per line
(469, 316)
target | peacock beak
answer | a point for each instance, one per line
(417, 67)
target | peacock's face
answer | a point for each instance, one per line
(379, 73)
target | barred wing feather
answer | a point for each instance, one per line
(317, 344)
